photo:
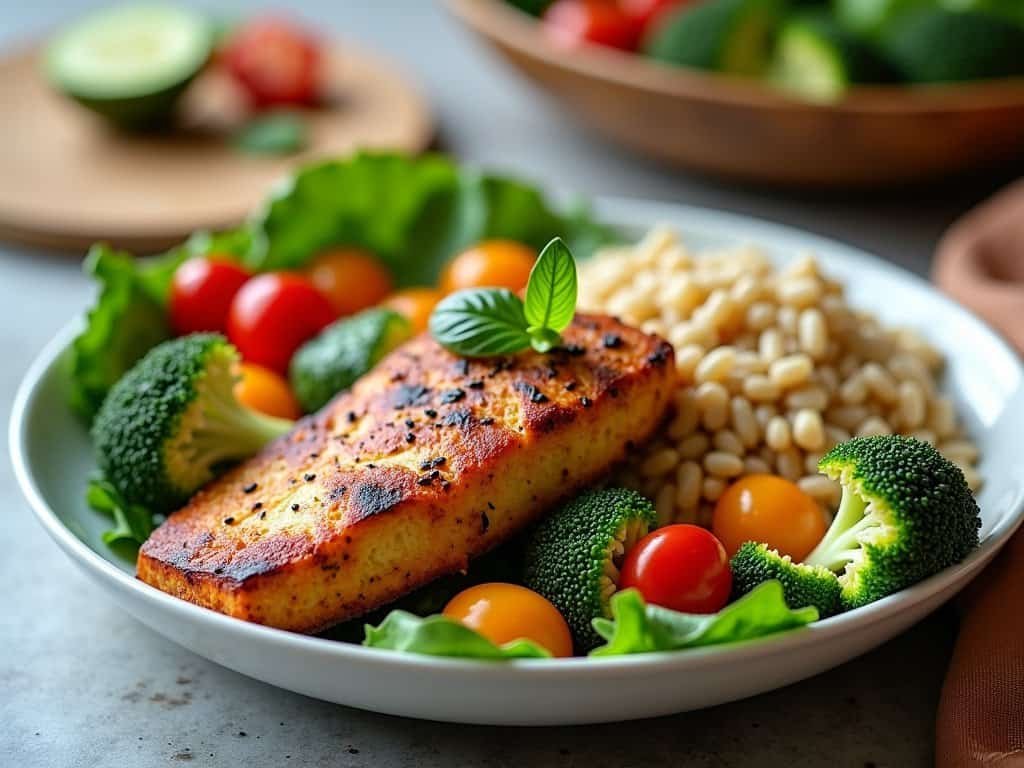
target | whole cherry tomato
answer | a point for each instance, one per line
(682, 567)
(276, 62)
(353, 280)
(273, 314)
(201, 292)
(769, 510)
(263, 390)
(571, 23)
(490, 264)
(416, 304)
(506, 612)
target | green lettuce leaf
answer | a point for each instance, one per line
(441, 636)
(636, 627)
(132, 523)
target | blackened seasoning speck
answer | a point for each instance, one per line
(228, 520)
(249, 488)
(476, 384)
(575, 350)
(452, 396)
(410, 437)
(438, 461)
(430, 413)
(611, 341)
(410, 423)
(486, 421)
(257, 506)
(485, 522)
(658, 356)
(535, 395)
(425, 480)
(351, 416)
(295, 507)
(407, 396)
(570, 386)
(309, 477)
(586, 402)
(462, 367)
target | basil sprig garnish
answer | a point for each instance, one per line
(483, 322)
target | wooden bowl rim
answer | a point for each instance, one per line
(507, 26)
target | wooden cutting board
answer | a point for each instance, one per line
(67, 179)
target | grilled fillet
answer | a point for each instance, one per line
(428, 461)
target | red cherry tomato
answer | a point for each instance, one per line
(275, 62)
(647, 13)
(682, 567)
(573, 22)
(201, 292)
(273, 314)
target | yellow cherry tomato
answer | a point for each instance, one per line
(771, 510)
(490, 264)
(351, 279)
(265, 391)
(506, 612)
(416, 304)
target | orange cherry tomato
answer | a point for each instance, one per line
(771, 510)
(351, 279)
(263, 390)
(506, 612)
(490, 264)
(416, 304)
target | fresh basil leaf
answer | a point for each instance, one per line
(636, 627)
(480, 322)
(280, 133)
(441, 636)
(551, 291)
(132, 523)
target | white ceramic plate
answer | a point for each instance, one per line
(52, 459)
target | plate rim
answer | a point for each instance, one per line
(616, 208)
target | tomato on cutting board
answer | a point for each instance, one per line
(506, 612)
(490, 264)
(682, 567)
(571, 23)
(276, 62)
(352, 279)
(273, 314)
(770, 510)
(263, 390)
(201, 293)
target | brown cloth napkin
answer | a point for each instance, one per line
(980, 721)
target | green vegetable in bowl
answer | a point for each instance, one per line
(574, 554)
(342, 352)
(816, 58)
(732, 36)
(868, 18)
(131, 63)
(906, 514)
(637, 627)
(441, 636)
(172, 422)
(802, 585)
(933, 46)
(1013, 10)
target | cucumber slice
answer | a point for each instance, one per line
(935, 46)
(869, 17)
(733, 36)
(818, 59)
(130, 63)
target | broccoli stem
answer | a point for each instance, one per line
(841, 544)
(227, 429)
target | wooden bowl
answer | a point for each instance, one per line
(745, 130)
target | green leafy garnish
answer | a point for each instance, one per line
(550, 295)
(133, 523)
(279, 133)
(636, 627)
(480, 322)
(441, 636)
(483, 322)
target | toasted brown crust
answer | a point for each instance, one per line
(428, 461)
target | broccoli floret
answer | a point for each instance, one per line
(802, 585)
(573, 557)
(172, 422)
(906, 513)
(343, 352)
